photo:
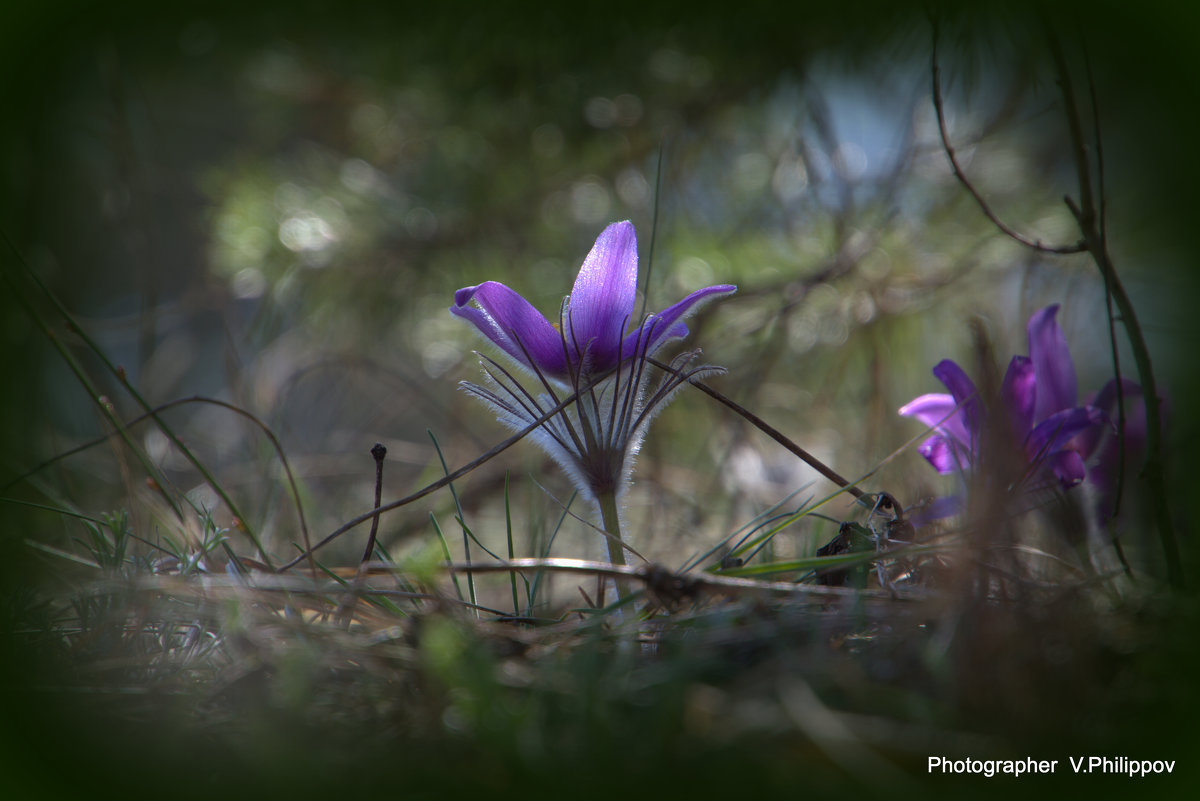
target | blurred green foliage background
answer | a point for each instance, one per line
(274, 208)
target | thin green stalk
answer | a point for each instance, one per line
(446, 552)
(511, 555)
(610, 517)
(55, 509)
(539, 575)
(823, 562)
(462, 524)
(346, 609)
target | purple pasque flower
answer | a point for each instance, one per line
(592, 335)
(590, 364)
(1105, 442)
(1039, 401)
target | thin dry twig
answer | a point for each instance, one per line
(1085, 214)
(1119, 487)
(778, 436)
(1035, 244)
(378, 452)
(679, 585)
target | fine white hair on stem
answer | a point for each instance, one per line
(596, 437)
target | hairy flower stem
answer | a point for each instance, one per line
(610, 517)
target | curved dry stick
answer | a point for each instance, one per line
(1078, 247)
(775, 434)
(1119, 487)
(262, 582)
(1094, 236)
(657, 578)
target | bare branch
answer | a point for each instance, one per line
(1035, 244)
(1085, 216)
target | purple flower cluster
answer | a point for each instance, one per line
(1039, 405)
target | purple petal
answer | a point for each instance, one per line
(944, 454)
(1103, 440)
(1135, 409)
(1068, 466)
(1106, 398)
(601, 303)
(963, 389)
(1100, 437)
(659, 329)
(937, 410)
(1052, 434)
(1018, 392)
(1056, 389)
(509, 320)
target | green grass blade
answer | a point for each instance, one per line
(537, 576)
(512, 576)
(446, 552)
(466, 532)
